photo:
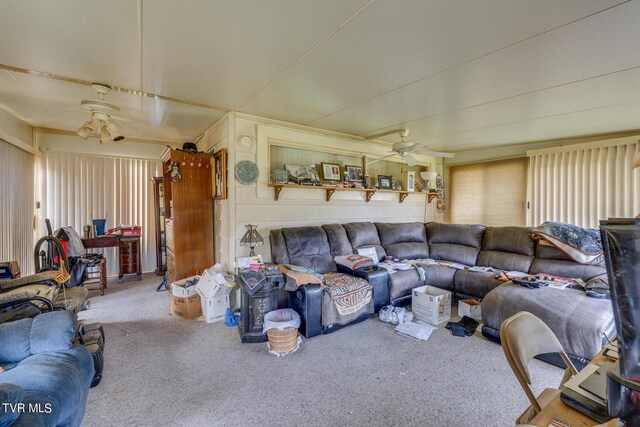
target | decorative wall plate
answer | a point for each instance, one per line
(439, 182)
(440, 194)
(245, 141)
(440, 205)
(246, 172)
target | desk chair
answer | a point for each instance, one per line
(524, 337)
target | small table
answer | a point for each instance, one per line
(557, 409)
(129, 261)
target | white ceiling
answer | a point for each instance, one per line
(459, 74)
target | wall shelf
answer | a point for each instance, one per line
(330, 190)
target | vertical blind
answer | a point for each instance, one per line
(16, 206)
(582, 185)
(78, 187)
(489, 193)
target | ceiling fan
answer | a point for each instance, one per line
(101, 114)
(405, 149)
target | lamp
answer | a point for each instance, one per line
(251, 238)
(115, 133)
(428, 177)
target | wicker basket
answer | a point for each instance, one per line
(283, 341)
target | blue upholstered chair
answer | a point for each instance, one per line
(46, 377)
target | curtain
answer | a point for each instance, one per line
(584, 184)
(489, 193)
(17, 206)
(79, 187)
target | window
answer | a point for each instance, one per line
(582, 184)
(17, 201)
(489, 193)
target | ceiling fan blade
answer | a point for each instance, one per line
(122, 119)
(408, 147)
(434, 153)
(410, 160)
(382, 158)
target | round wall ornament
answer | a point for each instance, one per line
(245, 141)
(246, 172)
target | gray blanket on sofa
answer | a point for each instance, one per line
(583, 245)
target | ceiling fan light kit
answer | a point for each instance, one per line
(101, 113)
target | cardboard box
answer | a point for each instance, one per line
(186, 307)
(431, 304)
(178, 289)
(215, 308)
(471, 308)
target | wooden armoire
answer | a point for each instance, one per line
(189, 212)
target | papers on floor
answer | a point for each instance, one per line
(415, 331)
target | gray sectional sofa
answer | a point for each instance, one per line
(581, 323)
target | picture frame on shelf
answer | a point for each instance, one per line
(411, 181)
(280, 176)
(302, 174)
(220, 175)
(354, 173)
(385, 182)
(331, 172)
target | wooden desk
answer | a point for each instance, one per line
(129, 261)
(557, 409)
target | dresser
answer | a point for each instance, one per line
(188, 210)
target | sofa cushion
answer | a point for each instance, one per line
(10, 394)
(410, 250)
(279, 254)
(459, 234)
(402, 282)
(53, 331)
(338, 241)
(456, 253)
(15, 341)
(364, 235)
(455, 242)
(578, 321)
(309, 247)
(566, 269)
(404, 240)
(505, 261)
(391, 233)
(515, 240)
(476, 284)
(439, 276)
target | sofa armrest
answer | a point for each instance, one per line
(10, 395)
(307, 302)
(379, 279)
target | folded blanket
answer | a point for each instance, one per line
(297, 276)
(345, 298)
(583, 245)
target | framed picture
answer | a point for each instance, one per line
(384, 182)
(280, 176)
(331, 172)
(220, 174)
(301, 174)
(411, 181)
(354, 173)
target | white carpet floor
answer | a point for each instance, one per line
(161, 370)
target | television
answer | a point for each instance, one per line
(621, 244)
